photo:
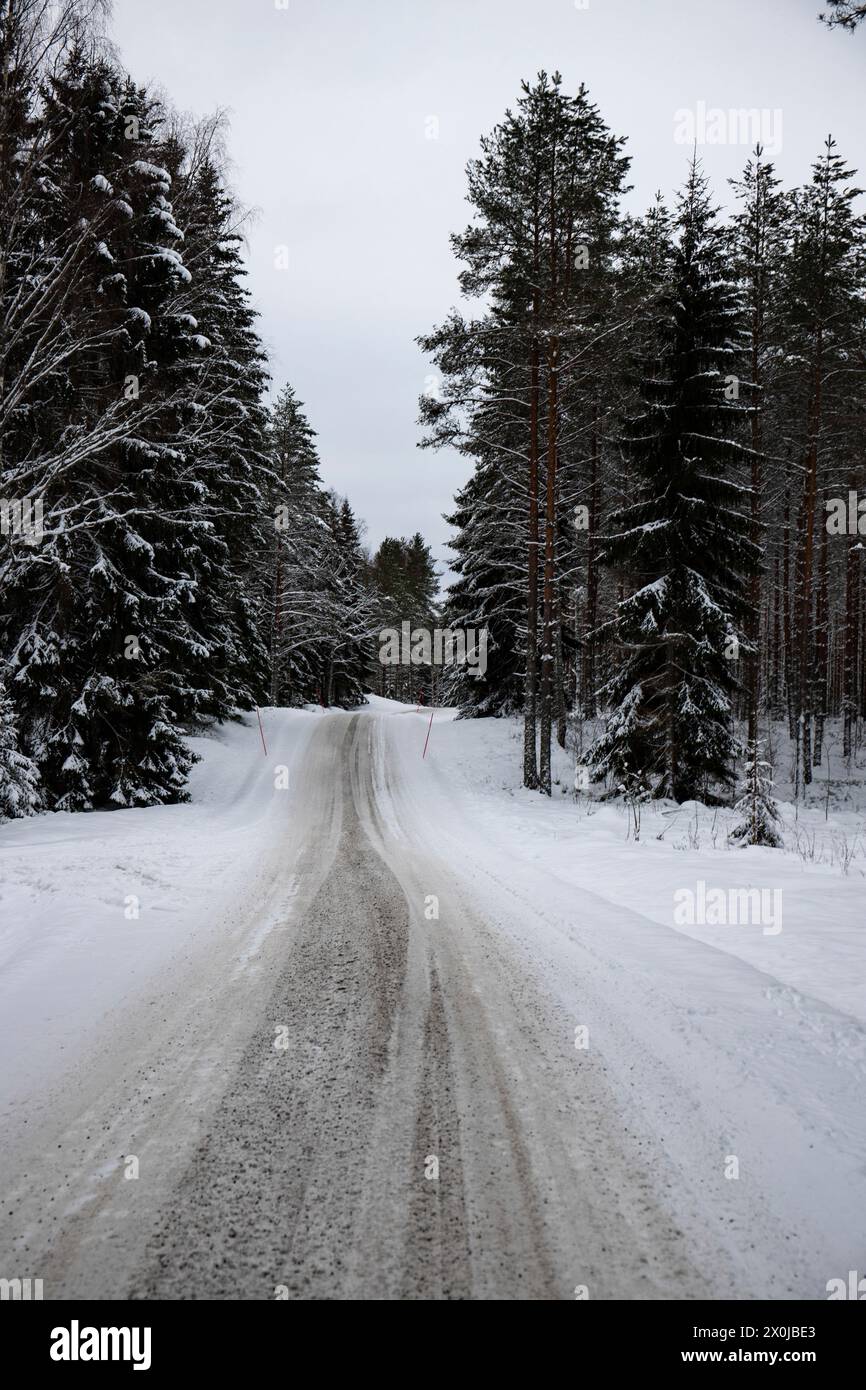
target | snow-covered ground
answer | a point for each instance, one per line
(820, 875)
(94, 908)
(635, 1103)
(725, 1036)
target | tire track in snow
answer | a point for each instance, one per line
(304, 1168)
(312, 1151)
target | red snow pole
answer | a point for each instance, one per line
(262, 732)
(427, 739)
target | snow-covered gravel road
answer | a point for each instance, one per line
(364, 1083)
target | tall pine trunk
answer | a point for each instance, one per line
(544, 770)
(852, 632)
(805, 603)
(530, 696)
(530, 689)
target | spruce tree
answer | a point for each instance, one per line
(347, 605)
(19, 776)
(756, 813)
(759, 246)
(313, 574)
(405, 582)
(131, 408)
(487, 592)
(683, 545)
(226, 445)
(97, 628)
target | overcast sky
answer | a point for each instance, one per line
(331, 104)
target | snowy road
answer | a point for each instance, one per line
(366, 1085)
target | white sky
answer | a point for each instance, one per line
(329, 103)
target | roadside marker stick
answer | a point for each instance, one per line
(262, 732)
(427, 739)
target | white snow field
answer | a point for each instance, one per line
(401, 1029)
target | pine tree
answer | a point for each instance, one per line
(293, 560)
(353, 652)
(823, 325)
(319, 612)
(36, 271)
(605, 481)
(140, 612)
(523, 384)
(759, 242)
(19, 777)
(845, 14)
(98, 628)
(226, 444)
(131, 409)
(580, 349)
(405, 584)
(487, 592)
(683, 545)
(757, 815)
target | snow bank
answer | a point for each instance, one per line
(474, 766)
(94, 907)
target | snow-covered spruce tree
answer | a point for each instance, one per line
(20, 155)
(19, 777)
(479, 407)
(759, 245)
(487, 593)
(226, 440)
(404, 583)
(424, 607)
(348, 645)
(36, 270)
(643, 275)
(95, 625)
(312, 569)
(293, 555)
(683, 546)
(757, 815)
